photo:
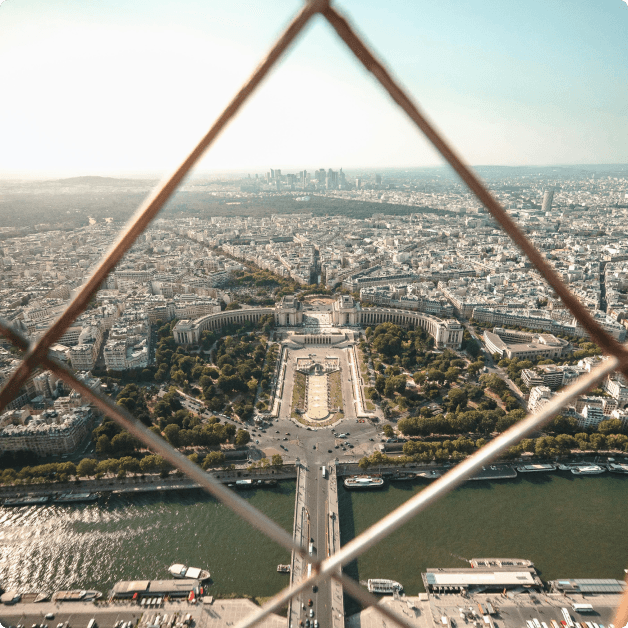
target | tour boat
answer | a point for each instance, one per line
(382, 585)
(363, 481)
(181, 571)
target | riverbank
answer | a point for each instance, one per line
(142, 484)
(155, 483)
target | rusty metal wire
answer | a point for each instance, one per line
(37, 353)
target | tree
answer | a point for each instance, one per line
(213, 459)
(456, 398)
(129, 465)
(86, 467)
(149, 464)
(123, 443)
(611, 426)
(276, 461)
(242, 437)
(436, 375)
(452, 373)
(388, 431)
(563, 425)
(103, 445)
(171, 432)
(419, 377)
(67, 468)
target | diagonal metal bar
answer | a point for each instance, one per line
(157, 444)
(608, 344)
(149, 209)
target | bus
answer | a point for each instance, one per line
(324, 471)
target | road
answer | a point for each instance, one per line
(316, 505)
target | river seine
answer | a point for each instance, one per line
(568, 526)
(92, 546)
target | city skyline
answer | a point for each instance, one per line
(508, 86)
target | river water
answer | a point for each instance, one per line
(568, 526)
(92, 546)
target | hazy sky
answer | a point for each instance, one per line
(106, 87)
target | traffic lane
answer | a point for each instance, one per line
(323, 595)
(316, 499)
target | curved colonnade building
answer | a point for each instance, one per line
(288, 313)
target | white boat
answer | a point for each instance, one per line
(382, 585)
(532, 468)
(363, 481)
(181, 571)
(617, 467)
(589, 469)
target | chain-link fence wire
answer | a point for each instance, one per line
(36, 354)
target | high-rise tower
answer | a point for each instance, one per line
(548, 197)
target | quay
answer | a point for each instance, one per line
(42, 493)
(426, 610)
(84, 490)
(206, 613)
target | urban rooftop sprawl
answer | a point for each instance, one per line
(441, 332)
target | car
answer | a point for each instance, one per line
(336, 446)
(371, 440)
(309, 602)
(307, 623)
(276, 431)
(257, 442)
(316, 623)
(287, 433)
(315, 589)
(329, 451)
(284, 438)
(311, 612)
(313, 446)
(49, 616)
(349, 445)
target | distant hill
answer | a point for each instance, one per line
(102, 181)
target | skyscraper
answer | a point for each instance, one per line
(548, 197)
